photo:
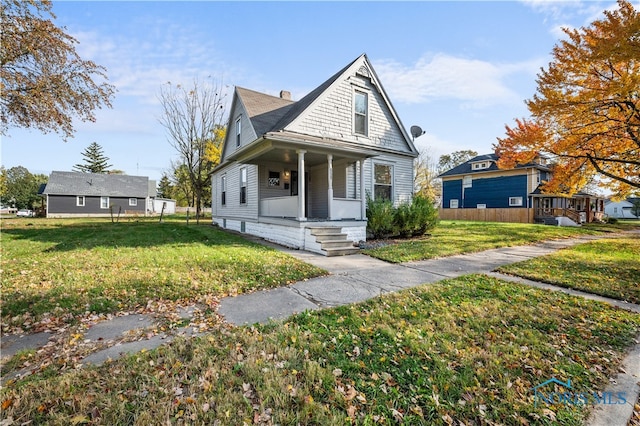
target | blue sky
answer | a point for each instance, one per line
(460, 70)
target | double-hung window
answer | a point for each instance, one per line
(133, 201)
(243, 185)
(223, 190)
(238, 130)
(104, 202)
(80, 201)
(515, 201)
(383, 182)
(360, 113)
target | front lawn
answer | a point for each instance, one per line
(457, 237)
(609, 267)
(54, 270)
(463, 351)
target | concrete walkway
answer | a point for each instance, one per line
(351, 279)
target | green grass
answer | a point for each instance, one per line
(463, 350)
(57, 269)
(457, 237)
(609, 267)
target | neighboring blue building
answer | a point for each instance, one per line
(480, 184)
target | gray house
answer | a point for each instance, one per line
(75, 194)
(298, 173)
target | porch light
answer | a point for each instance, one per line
(286, 174)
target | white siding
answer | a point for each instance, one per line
(247, 133)
(332, 116)
(402, 176)
(233, 208)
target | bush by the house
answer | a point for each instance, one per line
(380, 220)
(407, 220)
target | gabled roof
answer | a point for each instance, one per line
(466, 167)
(263, 110)
(269, 114)
(94, 184)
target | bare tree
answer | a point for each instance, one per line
(426, 181)
(191, 117)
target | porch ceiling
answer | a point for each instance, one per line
(281, 147)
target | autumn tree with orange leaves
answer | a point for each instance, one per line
(44, 83)
(586, 112)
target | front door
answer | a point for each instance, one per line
(294, 188)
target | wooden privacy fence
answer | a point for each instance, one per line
(515, 215)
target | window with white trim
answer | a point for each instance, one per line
(453, 203)
(383, 182)
(104, 202)
(515, 201)
(80, 201)
(133, 201)
(243, 185)
(223, 190)
(238, 130)
(360, 113)
(467, 182)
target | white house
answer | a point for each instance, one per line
(622, 209)
(298, 173)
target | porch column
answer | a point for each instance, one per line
(301, 184)
(330, 187)
(363, 197)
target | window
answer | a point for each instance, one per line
(481, 206)
(104, 202)
(243, 185)
(238, 130)
(479, 166)
(274, 178)
(360, 113)
(515, 201)
(453, 203)
(467, 182)
(133, 201)
(80, 201)
(383, 186)
(223, 190)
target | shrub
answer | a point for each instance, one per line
(612, 220)
(407, 220)
(425, 214)
(404, 219)
(380, 218)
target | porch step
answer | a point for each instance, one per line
(333, 242)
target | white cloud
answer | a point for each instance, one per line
(475, 82)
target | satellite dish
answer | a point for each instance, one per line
(416, 131)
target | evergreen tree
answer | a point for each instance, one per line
(94, 160)
(165, 189)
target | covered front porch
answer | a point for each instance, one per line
(309, 180)
(580, 208)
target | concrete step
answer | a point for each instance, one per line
(327, 230)
(342, 251)
(324, 238)
(336, 244)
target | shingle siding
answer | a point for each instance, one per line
(332, 117)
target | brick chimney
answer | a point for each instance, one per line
(284, 94)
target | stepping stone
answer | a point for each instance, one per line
(117, 326)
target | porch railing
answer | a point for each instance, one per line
(279, 206)
(555, 212)
(344, 208)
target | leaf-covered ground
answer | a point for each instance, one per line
(462, 351)
(55, 272)
(608, 267)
